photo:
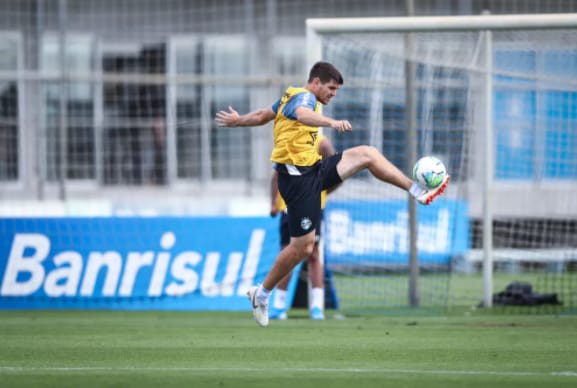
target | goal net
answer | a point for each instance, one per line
(494, 97)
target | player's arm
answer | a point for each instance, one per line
(274, 194)
(311, 118)
(254, 118)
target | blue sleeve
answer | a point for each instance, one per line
(275, 106)
(307, 100)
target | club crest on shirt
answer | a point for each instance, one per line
(306, 223)
(314, 136)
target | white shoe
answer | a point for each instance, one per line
(259, 310)
(428, 196)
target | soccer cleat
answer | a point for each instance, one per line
(428, 196)
(259, 310)
(317, 314)
(277, 314)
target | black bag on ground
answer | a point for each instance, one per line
(521, 294)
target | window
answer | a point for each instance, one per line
(184, 61)
(227, 56)
(204, 73)
(79, 153)
(134, 139)
(535, 115)
(9, 93)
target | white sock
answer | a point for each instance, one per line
(262, 294)
(416, 190)
(279, 299)
(318, 297)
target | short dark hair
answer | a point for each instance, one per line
(325, 72)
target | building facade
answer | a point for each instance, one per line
(113, 101)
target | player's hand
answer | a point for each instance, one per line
(342, 126)
(273, 209)
(227, 119)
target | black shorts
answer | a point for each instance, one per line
(302, 193)
(285, 237)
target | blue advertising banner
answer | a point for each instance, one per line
(134, 263)
(377, 232)
(204, 263)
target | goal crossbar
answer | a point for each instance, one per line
(442, 23)
(316, 27)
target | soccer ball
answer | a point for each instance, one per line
(429, 172)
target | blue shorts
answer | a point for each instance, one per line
(301, 189)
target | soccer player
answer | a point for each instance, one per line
(303, 174)
(314, 265)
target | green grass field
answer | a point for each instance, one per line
(168, 349)
(442, 293)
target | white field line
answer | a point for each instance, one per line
(26, 369)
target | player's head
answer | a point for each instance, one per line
(324, 81)
(325, 72)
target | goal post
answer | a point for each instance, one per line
(506, 83)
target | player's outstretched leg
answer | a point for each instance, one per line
(366, 157)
